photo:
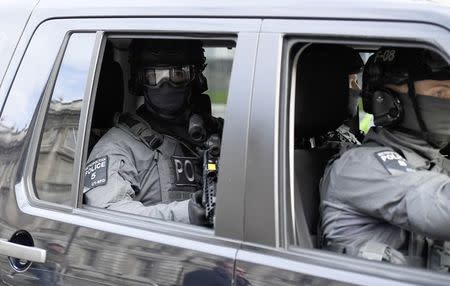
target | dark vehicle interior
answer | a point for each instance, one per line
(322, 70)
(110, 92)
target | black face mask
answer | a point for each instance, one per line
(168, 101)
(435, 113)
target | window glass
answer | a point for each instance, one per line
(218, 71)
(155, 172)
(365, 119)
(54, 169)
(326, 82)
(369, 195)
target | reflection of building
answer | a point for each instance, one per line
(54, 170)
(11, 141)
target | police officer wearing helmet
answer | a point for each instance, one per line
(389, 199)
(147, 164)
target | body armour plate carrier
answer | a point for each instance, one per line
(179, 167)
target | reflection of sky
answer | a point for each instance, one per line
(71, 82)
(13, 15)
(34, 72)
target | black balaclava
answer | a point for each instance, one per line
(435, 113)
(167, 101)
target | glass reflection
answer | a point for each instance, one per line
(54, 170)
(218, 72)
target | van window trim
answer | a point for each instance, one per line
(84, 126)
(38, 132)
(89, 100)
(290, 42)
(287, 190)
(91, 91)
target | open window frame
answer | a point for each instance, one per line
(233, 32)
(295, 231)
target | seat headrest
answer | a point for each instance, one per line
(322, 88)
(110, 93)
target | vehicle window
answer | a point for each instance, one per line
(365, 119)
(218, 71)
(375, 195)
(55, 165)
(154, 142)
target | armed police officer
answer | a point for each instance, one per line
(389, 199)
(147, 164)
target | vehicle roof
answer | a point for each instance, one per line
(428, 11)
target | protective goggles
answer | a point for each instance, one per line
(177, 76)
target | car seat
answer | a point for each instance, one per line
(321, 106)
(446, 150)
(109, 98)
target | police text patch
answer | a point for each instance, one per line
(185, 170)
(96, 173)
(393, 162)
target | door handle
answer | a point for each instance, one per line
(19, 251)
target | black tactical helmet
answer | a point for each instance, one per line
(398, 65)
(150, 52)
(144, 53)
(422, 116)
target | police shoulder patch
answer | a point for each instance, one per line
(393, 162)
(96, 173)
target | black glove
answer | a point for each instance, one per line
(197, 214)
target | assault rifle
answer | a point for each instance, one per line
(211, 155)
(209, 150)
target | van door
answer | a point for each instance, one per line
(44, 143)
(278, 248)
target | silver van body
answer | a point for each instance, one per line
(75, 245)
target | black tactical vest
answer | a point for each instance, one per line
(179, 166)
